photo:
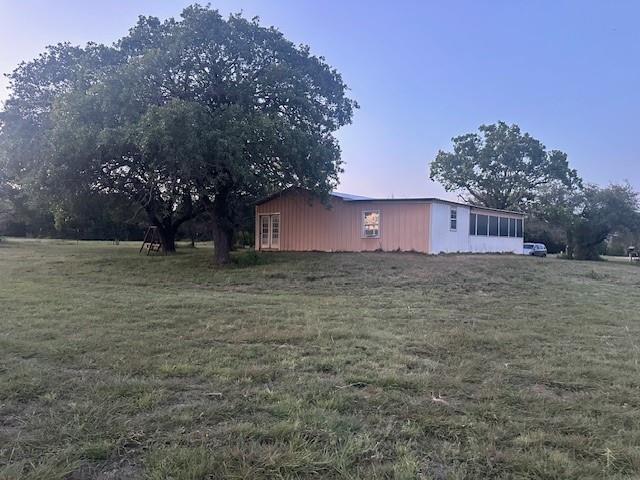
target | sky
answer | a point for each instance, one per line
(567, 72)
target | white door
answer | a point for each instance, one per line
(265, 228)
(275, 231)
(270, 231)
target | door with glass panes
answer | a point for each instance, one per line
(270, 231)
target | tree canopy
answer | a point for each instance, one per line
(500, 167)
(179, 117)
(589, 215)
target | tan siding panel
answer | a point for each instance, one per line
(311, 226)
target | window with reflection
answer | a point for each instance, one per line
(371, 223)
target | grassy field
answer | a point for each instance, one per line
(119, 366)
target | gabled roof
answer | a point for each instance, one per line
(347, 197)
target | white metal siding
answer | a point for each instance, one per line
(443, 240)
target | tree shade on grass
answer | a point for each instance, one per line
(314, 365)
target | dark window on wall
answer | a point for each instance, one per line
(519, 229)
(472, 224)
(504, 227)
(483, 224)
(493, 226)
(453, 219)
(512, 227)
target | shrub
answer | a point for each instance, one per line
(247, 258)
(616, 250)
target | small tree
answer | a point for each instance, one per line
(500, 167)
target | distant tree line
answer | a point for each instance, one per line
(179, 122)
(99, 216)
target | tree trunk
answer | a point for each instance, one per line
(167, 238)
(587, 242)
(222, 230)
(192, 234)
(222, 241)
(586, 252)
(570, 245)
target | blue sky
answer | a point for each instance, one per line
(567, 72)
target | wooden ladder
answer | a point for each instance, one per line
(151, 241)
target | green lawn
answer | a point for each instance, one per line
(120, 366)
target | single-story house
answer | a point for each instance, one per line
(295, 220)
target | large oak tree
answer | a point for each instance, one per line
(180, 117)
(500, 167)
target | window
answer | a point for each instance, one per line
(504, 227)
(453, 219)
(270, 231)
(493, 226)
(275, 231)
(483, 224)
(371, 224)
(264, 231)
